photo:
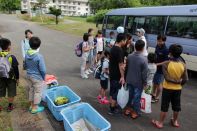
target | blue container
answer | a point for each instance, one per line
(83, 110)
(63, 91)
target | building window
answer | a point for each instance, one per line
(79, 3)
(86, 9)
(73, 3)
(79, 8)
(87, 4)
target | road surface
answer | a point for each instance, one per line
(57, 48)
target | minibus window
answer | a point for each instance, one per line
(114, 21)
(155, 25)
(185, 27)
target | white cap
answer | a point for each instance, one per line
(120, 29)
(141, 30)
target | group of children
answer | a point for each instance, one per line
(34, 65)
(128, 63)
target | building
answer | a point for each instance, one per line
(68, 7)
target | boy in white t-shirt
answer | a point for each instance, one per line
(104, 79)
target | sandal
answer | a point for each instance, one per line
(156, 124)
(127, 112)
(174, 124)
(134, 115)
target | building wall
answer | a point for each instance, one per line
(68, 7)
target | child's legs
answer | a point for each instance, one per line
(158, 80)
(38, 85)
(176, 103)
(2, 89)
(104, 86)
(30, 90)
(11, 84)
(136, 99)
(165, 101)
(83, 65)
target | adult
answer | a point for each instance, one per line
(140, 34)
(136, 78)
(25, 43)
(116, 71)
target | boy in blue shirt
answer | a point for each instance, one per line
(36, 71)
(161, 52)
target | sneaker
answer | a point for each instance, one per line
(115, 112)
(84, 77)
(39, 109)
(90, 71)
(10, 108)
(87, 72)
(104, 101)
(99, 97)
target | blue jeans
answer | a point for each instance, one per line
(134, 97)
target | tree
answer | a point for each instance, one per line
(56, 12)
(40, 5)
(9, 5)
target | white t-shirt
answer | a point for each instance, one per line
(152, 68)
(145, 52)
(99, 45)
(105, 66)
(85, 45)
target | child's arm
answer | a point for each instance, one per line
(162, 63)
(144, 72)
(22, 48)
(184, 76)
(167, 77)
(15, 68)
(42, 67)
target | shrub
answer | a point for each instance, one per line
(98, 17)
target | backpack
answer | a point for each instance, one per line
(98, 70)
(5, 67)
(78, 49)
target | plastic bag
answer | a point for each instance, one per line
(123, 97)
(146, 102)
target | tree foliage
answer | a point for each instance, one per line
(9, 5)
(56, 12)
(112, 4)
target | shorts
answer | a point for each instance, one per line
(8, 85)
(104, 84)
(158, 78)
(100, 52)
(173, 97)
(114, 88)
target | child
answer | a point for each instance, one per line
(36, 71)
(136, 78)
(12, 81)
(152, 67)
(85, 54)
(161, 52)
(91, 52)
(104, 78)
(128, 48)
(99, 45)
(110, 41)
(25, 43)
(175, 74)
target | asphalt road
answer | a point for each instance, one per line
(57, 48)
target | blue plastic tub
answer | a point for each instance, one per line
(83, 110)
(53, 93)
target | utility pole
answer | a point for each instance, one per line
(29, 8)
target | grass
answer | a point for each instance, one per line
(20, 102)
(77, 25)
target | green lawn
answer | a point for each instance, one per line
(20, 102)
(70, 25)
